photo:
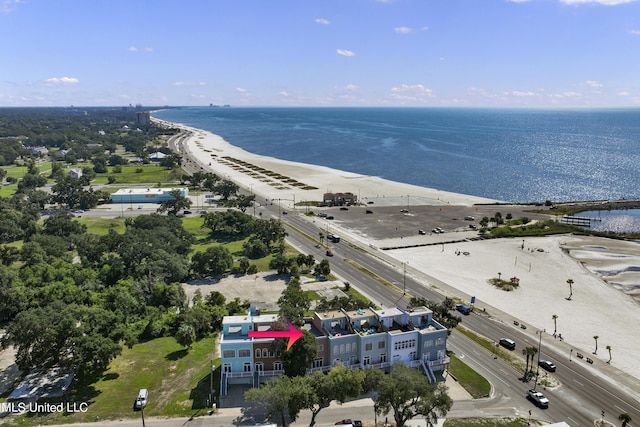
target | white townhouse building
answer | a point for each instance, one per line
(363, 338)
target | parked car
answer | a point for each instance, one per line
(329, 216)
(548, 365)
(404, 210)
(141, 400)
(329, 252)
(322, 214)
(344, 208)
(538, 398)
(187, 212)
(369, 211)
(422, 232)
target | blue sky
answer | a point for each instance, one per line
(500, 53)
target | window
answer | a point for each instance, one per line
(348, 348)
(244, 353)
(277, 366)
(428, 343)
(381, 344)
(354, 347)
(246, 367)
(320, 347)
(258, 353)
(227, 367)
(439, 341)
(341, 348)
(336, 350)
(366, 360)
(266, 353)
(228, 354)
(317, 363)
(383, 357)
(368, 346)
(260, 367)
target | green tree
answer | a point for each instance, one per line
(339, 384)
(323, 268)
(281, 264)
(283, 397)
(294, 302)
(625, 418)
(244, 202)
(215, 261)
(595, 337)
(407, 393)
(608, 347)
(176, 203)
(226, 188)
(186, 335)
(529, 353)
(300, 356)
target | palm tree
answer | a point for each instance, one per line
(595, 337)
(321, 236)
(555, 324)
(529, 352)
(570, 283)
(609, 348)
(625, 418)
(499, 275)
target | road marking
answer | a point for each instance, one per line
(578, 382)
(573, 421)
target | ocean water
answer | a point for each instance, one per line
(514, 155)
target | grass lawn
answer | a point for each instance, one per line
(470, 380)
(178, 382)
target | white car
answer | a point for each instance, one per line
(538, 398)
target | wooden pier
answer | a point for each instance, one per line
(580, 221)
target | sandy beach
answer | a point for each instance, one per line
(605, 272)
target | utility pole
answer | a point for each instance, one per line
(404, 278)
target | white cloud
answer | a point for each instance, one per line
(571, 94)
(180, 84)
(403, 30)
(345, 52)
(593, 83)
(56, 81)
(135, 49)
(602, 2)
(243, 92)
(8, 6)
(322, 21)
(635, 32)
(520, 93)
(411, 93)
(623, 93)
(408, 30)
(283, 93)
(518, 1)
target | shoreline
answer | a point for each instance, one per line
(294, 182)
(467, 275)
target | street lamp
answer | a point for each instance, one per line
(404, 278)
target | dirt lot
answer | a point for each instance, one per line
(262, 289)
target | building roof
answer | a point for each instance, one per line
(144, 191)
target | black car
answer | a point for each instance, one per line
(548, 365)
